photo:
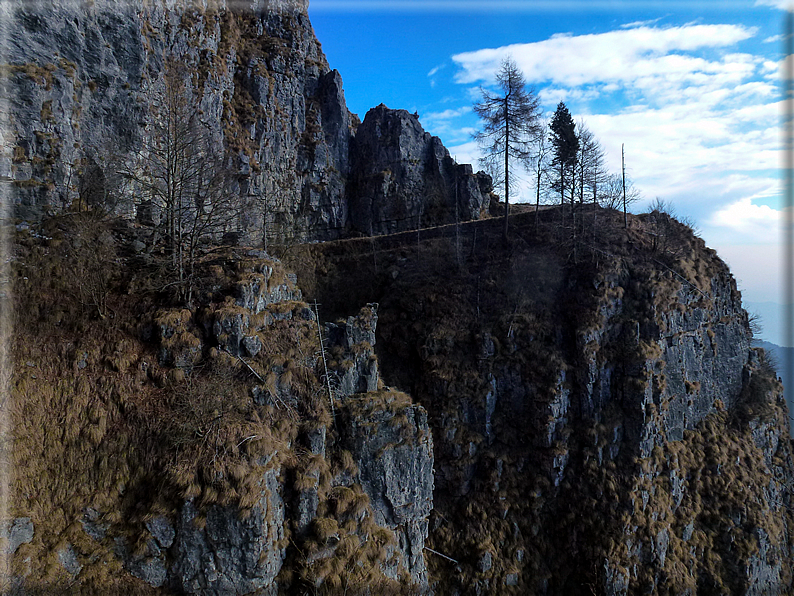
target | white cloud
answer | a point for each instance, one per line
(468, 152)
(615, 56)
(770, 66)
(747, 236)
(699, 118)
(474, 93)
(773, 38)
(760, 113)
(448, 114)
(781, 4)
(664, 146)
(635, 24)
(699, 127)
(756, 224)
(442, 124)
(435, 69)
(551, 96)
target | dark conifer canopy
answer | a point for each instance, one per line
(563, 137)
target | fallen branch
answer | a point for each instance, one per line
(435, 552)
(245, 440)
(261, 380)
(240, 358)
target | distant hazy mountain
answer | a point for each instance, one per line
(779, 355)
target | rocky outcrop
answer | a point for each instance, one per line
(72, 79)
(16, 533)
(394, 451)
(351, 345)
(227, 549)
(594, 412)
(231, 555)
(261, 300)
(600, 425)
(82, 84)
(403, 178)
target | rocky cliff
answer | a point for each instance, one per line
(236, 447)
(403, 178)
(601, 421)
(583, 417)
(578, 411)
(82, 82)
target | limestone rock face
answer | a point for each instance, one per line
(604, 425)
(230, 555)
(71, 84)
(16, 532)
(404, 178)
(352, 346)
(699, 344)
(385, 435)
(83, 81)
(395, 463)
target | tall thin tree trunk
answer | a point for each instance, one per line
(573, 204)
(595, 204)
(623, 165)
(537, 201)
(581, 193)
(507, 162)
(457, 222)
(562, 200)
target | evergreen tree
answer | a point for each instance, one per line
(511, 124)
(565, 144)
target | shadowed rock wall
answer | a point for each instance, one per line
(82, 81)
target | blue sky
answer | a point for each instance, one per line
(691, 88)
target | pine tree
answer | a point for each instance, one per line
(511, 124)
(566, 147)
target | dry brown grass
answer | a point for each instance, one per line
(446, 323)
(101, 423)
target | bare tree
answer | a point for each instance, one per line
(180, 169)
(591, 168)
(541, 166)
(511, 123)
(611, 194)
(591, 173)
(89, 260)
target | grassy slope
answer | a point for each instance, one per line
(442, 295)
(99, 423)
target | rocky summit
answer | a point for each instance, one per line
(83, 84)
(327, 371)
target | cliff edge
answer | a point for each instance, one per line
(602, 422)
(84, 85)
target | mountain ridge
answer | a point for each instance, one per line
(82, 84)
(413, 405)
